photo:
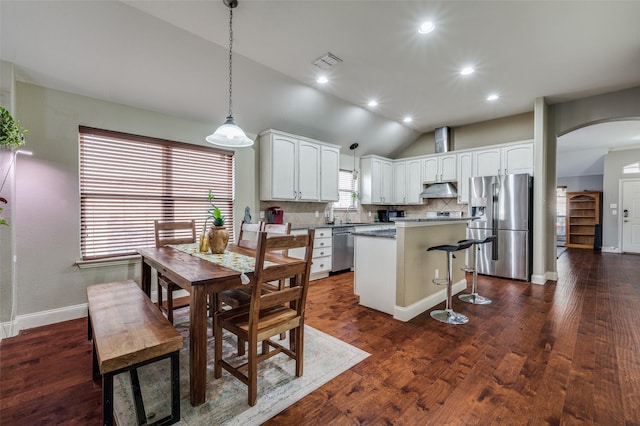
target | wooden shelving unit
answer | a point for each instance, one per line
(583, 214)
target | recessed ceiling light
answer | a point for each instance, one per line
(493, 97)
(407, 119)
(426, 28)
(373, 103)
(467, 70)
(322, 80)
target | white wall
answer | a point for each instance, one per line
(47, 216)
(581, 183)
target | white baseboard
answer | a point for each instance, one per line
(406, 313)
(611, 250)
(551, 276)
(538, 279)
(37, 319)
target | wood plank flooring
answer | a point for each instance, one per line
(565, 353)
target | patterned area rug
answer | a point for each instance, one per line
(325, 357)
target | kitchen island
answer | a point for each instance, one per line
(394, 271)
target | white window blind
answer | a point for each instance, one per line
(347, 187)
(128, 181)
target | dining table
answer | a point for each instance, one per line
(201, 275)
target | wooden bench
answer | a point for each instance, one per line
(128, 331)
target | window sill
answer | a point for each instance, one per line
(111, 261)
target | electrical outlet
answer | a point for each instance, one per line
(437, 273)
(317, 213)
(614, 212)
(261, 214)
(369, 214)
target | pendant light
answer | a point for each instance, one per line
(354, 173)
(229, 134)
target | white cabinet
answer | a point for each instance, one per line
(465, 171)
(439, 168)
(407, 180)
(293, 168)
(501, 160)
(377, 180)
(399, 182)
(329, 172)
(321, 263)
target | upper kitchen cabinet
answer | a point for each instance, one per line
(377, 180)
(465, 171)
(329, 173)
(439, 168)
(504, 160)
(291, 168)
(407, 179)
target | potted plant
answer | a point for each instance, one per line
(218, 236)
(11, 132)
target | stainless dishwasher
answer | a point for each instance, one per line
(342, 248)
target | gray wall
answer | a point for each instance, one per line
(582, 183)
(47, 216)
(576, 114)
(613, 164)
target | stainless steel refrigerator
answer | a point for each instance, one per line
(504, 207)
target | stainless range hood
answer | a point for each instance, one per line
(439, 190)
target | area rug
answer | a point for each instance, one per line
(325, 357)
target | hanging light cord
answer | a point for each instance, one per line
(230, 58)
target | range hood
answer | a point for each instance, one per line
(440, 190)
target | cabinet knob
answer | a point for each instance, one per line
(321, 244)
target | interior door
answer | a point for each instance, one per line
(630, 216)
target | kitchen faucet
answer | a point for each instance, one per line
(347, 218)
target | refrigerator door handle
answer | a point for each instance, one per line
(495, 192)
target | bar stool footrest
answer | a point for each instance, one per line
(440, 281)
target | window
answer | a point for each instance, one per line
(347, 190)
(561, 214)
(128, 181)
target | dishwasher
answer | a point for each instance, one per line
(342, 249)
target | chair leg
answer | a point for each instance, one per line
(159, 287)
(299, 348)
(252, 376)
(217, 349)
(170, 303)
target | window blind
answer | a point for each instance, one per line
(346, 188)
(128, 181)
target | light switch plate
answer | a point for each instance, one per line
(614, 212)
(613, 206)
(261, 214)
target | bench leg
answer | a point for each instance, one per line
(107, 399)
(96, 368)
(175, 386)
(89, 327)
(137, 397)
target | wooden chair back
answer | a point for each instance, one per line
(278, 229)
(179, 232)
(249, 241)
(297, 273)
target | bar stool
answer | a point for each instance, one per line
(448, 315)
(474, 297)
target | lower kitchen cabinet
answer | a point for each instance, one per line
(321, 264)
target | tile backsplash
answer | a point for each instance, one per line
(305, 213)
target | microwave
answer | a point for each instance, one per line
(389, 215)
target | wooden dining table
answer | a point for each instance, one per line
(200, 278)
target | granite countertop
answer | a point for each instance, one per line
(381, 233)
(435, 219)
(342, 225)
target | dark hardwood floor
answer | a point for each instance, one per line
(563, 353)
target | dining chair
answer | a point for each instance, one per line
(252, 229)
(269, 313)
(179, 232)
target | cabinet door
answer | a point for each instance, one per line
(447, 168)
(400, 182)
(517, 159)
(329, 172)
(308, 171)
(376, 181)
(387, 182)
(414, 181)
(430, 169)
(283, 168)
(487, 162)
(465, 171)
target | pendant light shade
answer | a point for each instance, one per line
(354, 173)
(229, 134)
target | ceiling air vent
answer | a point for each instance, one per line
(326, 61)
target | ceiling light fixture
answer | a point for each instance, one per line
(354, 173)
(373, 103)
(493, 97)
(426, 28)
(407, 119)
(467, 70)
(322, 80)
(229, 134)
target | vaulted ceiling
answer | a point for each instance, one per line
(171, 57)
